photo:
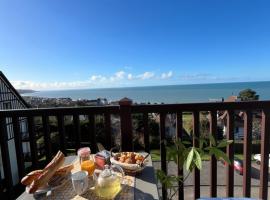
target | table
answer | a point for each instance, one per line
(143, 186)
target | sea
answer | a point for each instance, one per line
(164, 94)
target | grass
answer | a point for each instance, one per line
(155, 154)
(187, 122)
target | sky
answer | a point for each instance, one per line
(68, 44)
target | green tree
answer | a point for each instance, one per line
(248, 95)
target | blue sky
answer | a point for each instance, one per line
(63, 44)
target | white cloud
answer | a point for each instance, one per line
(166, 75)
(130, 76)
(146, 75)
(97, 78)
(119, 75)
(119, 78)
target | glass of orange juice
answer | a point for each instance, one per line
(89, 166)
(86, 161)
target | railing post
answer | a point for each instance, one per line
(77, 130)
(126, 124)
(179, 135)
(108, 130)
(196, 135)
(213, 161)
(146, 132)
(92, 127)
(265, 136)
(247, 153)
(18, 146)
(230, 154)
(5, 156)
(47, 137)
(62, 133)
(33, 143)
(163, 151)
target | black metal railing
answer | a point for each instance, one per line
(125, 109)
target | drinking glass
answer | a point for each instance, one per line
(80, 182)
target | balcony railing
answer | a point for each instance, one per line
(125, 109)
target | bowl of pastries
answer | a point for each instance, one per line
(131, 162)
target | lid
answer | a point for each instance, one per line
(106, 172)
(104, 153)
(85, 151)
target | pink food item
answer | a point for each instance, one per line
(100, 161)
(102, 158)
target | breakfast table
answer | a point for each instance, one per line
(140, 186)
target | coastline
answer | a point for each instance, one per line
(162, 94)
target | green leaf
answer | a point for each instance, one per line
(180, 146)
(207, 148)
(212, 151)
(220, 154)
(182, 157)
(198, 159)
(168, 180)
(229, 142)
(212, 140)
(202, 142)
(189, 159)
(186, 142)
(224, 143)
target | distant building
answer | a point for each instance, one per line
(238, 125)
(232, 99)
(11, 99)
(238, 121)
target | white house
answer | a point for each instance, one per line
(11, 99)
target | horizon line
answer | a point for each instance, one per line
(121, 87)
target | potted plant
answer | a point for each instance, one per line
(190, 157)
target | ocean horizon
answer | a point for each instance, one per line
(191, 93)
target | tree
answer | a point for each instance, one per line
(248, 95)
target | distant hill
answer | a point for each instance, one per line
(22, 91)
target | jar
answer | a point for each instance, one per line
(102, 158)
(86, 162)
(84, 154)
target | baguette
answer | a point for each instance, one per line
(48, 172)
(53, 160)
(32, 176)
(64, 170)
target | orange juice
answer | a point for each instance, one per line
(89, 166)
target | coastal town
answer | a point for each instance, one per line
(45, 102)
